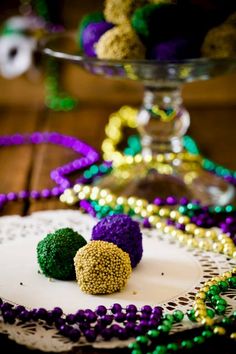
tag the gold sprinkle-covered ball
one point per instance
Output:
(160, 1)
(119, 43)
(120, 11)
(231, 20)
(220, 42)
(102, 268)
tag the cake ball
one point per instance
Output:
(231, 20)
(160, 1)
(119, 43)
(93, 17)
(155, 22)
(91, 36)
(102, 268)
(175, 49)
(220, 42)
(123, 232)
(119, 11)
(56, 251)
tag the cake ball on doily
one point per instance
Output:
(120, 11)
(91, 35)
(102, 268)
(119, 43)
(56, 251)
(123, 232)
(220, 42)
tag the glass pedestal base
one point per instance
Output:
(145, 182)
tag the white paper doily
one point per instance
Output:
(168, 275)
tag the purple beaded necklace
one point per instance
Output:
(89, 157)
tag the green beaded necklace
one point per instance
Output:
(134, 147)
(55, 98)
(149, 343)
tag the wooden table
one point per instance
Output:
(212, 106)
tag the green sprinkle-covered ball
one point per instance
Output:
(56, 251)
(102, 268)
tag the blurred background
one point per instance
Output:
(212, 104)
(220, 91)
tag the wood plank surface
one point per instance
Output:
(212, 106)
(16, 161)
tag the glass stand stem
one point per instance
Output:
(162, 120)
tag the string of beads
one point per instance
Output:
(59, 175)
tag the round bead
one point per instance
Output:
(186, 344)
(199, 339)
(164, 212)
(142, 340)
(173, 347)
(101, 310)
(133, 345)
(191, 315)
(146, 309)
(199, 232)
(233, 335)
(116, 308)
(153, 333)
(207, 333)
(164, 328)
(210, 313)
(178, 315)
(232, 282)
(219, 330)
(131, 308)
(207, 321)
(190, 228)
(183, 220)
(160, 349)
(223, 285)
(220, 309)
(57, 312)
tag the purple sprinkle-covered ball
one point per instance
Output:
(174, 49)
(91, 36)
(123, 232)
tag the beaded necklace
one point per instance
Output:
(56, 99)
(126, 117)
(192, 235)
(89, 157)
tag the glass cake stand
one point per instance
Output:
(162, 120)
